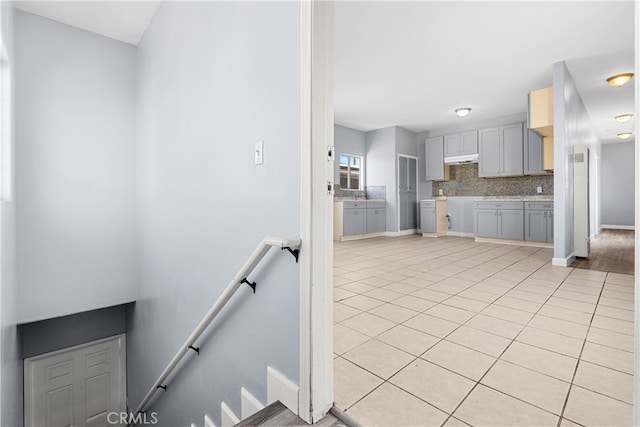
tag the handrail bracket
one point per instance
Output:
(252, 285)
(196, 349)
(294, 252)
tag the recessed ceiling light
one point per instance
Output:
(620, 79)
(623, 118)
(624, 135)
(463, 112)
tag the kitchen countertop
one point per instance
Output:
(532, 198)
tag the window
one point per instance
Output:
(350, 172)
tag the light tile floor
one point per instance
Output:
(449, 332)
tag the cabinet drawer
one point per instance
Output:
(540, 206)
(355, 204)
(498, 205)
(376, 204)
(427, 204)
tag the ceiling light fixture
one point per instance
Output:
(620, 79)
(624, 135)
(463, 112)
(623, 118)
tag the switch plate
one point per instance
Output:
(539, 190)
(259, 152)
(440, 192)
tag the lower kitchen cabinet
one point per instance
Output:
(359, 217)
(354, 222)
(502, 220)
(428, 217)
(538, 221)
(376, 217)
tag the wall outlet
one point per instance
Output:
(258, 158)
(440, 192)
(539, 190)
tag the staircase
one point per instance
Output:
(278, 415)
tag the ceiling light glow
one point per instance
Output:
(463, 112)
(620, 79)
(624, 135)
(623, 118)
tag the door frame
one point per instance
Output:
(316, 211)
(409, 231)
(28, 363)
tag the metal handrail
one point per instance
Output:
(291, 244)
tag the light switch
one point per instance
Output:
(258, 152)
(539, 190)
(440, 192)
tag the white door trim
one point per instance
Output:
(636, 377)
(29, 362)
(316, 213)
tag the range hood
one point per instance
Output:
(465, 158)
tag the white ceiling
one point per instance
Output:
(412, 63)
(121, 20)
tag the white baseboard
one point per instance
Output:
(249, 405)
(563, 262)
(281, 388)
(228, 418)
(618, 227)
(459, 234)
(208, 422)
(361, 236)
(400, 233)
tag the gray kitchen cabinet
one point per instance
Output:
(428, 217)
(354, 218)
(502, 220)
(408, 193)
(376, 216)
(538, 221)
(434, 159)
(458, 144)
(533, 153)
(500, 151)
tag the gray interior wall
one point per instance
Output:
(347, 141)
(572, 126)
(406, 142)
(10, 362)
(205, 92)
(618, 198)
(75, 181)
(49, 335)
(381, 168)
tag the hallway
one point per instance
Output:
(452, 332)
(612, 251)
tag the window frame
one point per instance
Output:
(350, 157)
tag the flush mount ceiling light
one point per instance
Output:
(623, 118)
(463, 112)
(620, 79)
(624, 135)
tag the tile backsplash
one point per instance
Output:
(373, 192)
(464, 181)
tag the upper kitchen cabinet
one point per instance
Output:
(541, 120)
(501, 151)
(533, 153)
(458, 144)
(434, 160)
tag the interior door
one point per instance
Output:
(77, 387)
(412, 184)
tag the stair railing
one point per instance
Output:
(290, 244)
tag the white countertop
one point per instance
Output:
(531, 198)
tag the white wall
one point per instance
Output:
(618, 191)
(572, 126)
(75, 181)
(212, 77)
(347, 141)
(10, 361)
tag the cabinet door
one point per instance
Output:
(434, 159)
(452, 145)
(469, 142)
(354, 221)
(403, 174)
(412, 174)
(486, 223)
(412, 210)
(403, 210)
(489, 152)
(376, 222)
(533, 153)
(535, 226)
(511, 224)
(550, 226)
(511, 149)
(428, 220)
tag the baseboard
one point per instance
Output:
(228, 418)
(361, 236)
(208, 422)
(399, 233)
(617, 227)
(281, 388)
(459, 234)
(249, 405)
(563, 262)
